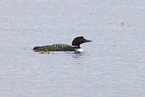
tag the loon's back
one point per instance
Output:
(54, 47)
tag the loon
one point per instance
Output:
(63, 47)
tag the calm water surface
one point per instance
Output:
(113, 65)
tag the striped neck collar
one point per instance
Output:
(74, 46)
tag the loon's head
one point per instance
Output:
(79, 40)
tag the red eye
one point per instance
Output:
(81, 39)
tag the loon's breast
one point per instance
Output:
(55, 47)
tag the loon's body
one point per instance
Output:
(63, 47)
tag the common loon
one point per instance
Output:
(63, 47)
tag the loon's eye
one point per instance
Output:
(81, 40)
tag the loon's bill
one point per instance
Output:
(63, 47)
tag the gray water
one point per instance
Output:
(113, 65)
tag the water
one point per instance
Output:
(113, 65)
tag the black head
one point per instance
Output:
(79, 40)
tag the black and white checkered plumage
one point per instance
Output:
(63, 47)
